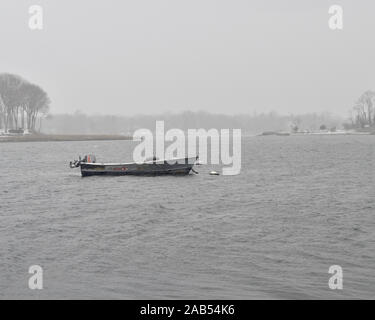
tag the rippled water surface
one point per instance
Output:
(300, 205)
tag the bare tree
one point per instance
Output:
(364, 110)
(36, 102)
(10, 98)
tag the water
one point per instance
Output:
(300, 205)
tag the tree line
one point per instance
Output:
(21, 103)
(80, 123)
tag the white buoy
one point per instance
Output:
(214, 173)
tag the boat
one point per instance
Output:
(153, 167)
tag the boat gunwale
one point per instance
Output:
(146, 162)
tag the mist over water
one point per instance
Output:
(300, 205)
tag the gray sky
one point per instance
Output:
(233, 56)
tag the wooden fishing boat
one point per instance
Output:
(153, 167)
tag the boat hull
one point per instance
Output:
(152, 168)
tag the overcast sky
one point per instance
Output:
(224, 56)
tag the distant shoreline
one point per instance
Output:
(62, 137)
(106, 137)
(338, 133)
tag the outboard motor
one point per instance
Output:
(75, 164)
